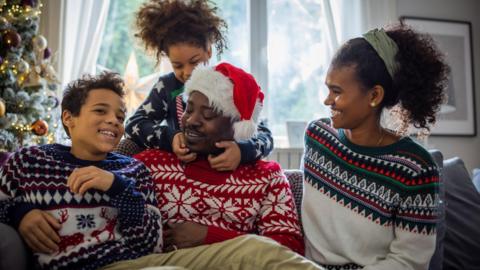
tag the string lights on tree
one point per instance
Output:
(28, 81)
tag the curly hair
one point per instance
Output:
(76, 92)
(419, 84)
(162, 23)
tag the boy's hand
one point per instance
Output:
(184, 235)
(38, 229)
(83, 179)
(180, 148)
(229, 159)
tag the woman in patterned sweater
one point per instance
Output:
(370, 193)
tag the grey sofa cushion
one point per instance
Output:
(462, 217)
(13, 254)
(436, 263)
(295, 179)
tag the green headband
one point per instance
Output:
(385, 47)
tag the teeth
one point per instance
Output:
(335, 113)
(108, 133)
(192, 134)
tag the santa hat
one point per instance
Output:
(232, 91)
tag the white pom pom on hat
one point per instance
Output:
(232, 91)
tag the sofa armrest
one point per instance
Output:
(13, 253)
(295, 179)
(128, 147)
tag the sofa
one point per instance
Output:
(458, 235)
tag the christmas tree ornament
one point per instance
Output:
(3, 108)
(39, 43)
(47, 53)
(33, 78)
(50, 74)
(40, 127)
(22, 67)
(32, 3)
(12, 39)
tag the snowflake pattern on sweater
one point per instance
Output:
(98, 228)
(390, 193)
(255, 198)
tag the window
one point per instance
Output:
(282, 42)
(297, 62)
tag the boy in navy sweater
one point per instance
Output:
(83, 207)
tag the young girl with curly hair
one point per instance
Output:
(370, 192)
(185, 32)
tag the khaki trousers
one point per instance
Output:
(244, 252)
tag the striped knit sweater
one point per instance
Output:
(98, 228)
(255, 198)
(370, 207)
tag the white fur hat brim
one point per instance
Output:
(219, 90)
(216, 87)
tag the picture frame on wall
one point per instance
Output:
(454, 39)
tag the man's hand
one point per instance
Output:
(229, 159)
(180, 148)
(184, 235)
(38, 229)
(83, 179)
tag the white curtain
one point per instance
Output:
(351, 18)
(83, 25)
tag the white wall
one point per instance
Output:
(467, 148)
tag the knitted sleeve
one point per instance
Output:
(145, 126)
(138, 212)
(217, 234)
(257, 147)
(13, 203)
(278, 218)
(415, 224)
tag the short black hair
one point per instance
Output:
(76, 92)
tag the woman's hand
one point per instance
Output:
(184, 235)
(229, 159)
(180, 148)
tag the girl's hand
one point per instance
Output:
(180, 148)
(229, 159)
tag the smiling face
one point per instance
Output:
(350, 104)
(185, 57)
(98, 128)
(203, 126)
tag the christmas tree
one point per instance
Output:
(28, 80)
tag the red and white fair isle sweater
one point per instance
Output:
(255, 198)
